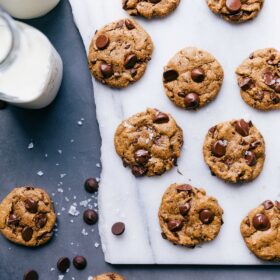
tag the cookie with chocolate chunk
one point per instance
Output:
(260, 231)
(27, 216)
(119, 53)
(236, 10)
(234, 151)
(108, 276)
(192, 78)
(149, 142)
(259, 79)
(188, 217)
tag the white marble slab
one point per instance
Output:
(136, 201)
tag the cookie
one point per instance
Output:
(236, 10)
(192, 78)
(27, 216)
(260, 231)
(188, 217)
(234, 151)
(150, 8)
(259, 79)
(108, 276)
(149, 142)
(119, 53)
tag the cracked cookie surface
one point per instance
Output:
(188, 217)
(259, 79)
(149, 142)
(27, 216)
(236, 10)
(234, 151)
(192, 78)
(119, 53)
(108, 276)
(150, 8)
(260, 231)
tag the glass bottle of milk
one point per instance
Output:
(30, 67)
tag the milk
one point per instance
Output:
(26, 9)
(33, 76)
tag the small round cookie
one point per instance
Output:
(150, 8)
(260, 231)
(27, 216)
(259, 79)
(192, 78)
(119, 53)
(149, 142)
(188, 217)
(234, 151)
(108, 276)
(236, 10)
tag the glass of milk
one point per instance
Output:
(27, 9)
(30, 67)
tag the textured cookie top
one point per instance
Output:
(236, 10)
(259, 79)
(234, 151)
(188, 216)
(108, 276)
(260, 230)
(149, 142)
(192, 78)
(119, 53)
(27, 216)
(150, 8)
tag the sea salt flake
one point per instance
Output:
(30, 146)
(84, 232)
(62, 175)
(60, 190)
(60, 277)
(40, 173)
(80, 123)
(98, 165)
(59, 151)
(96, 245)
(73, 210)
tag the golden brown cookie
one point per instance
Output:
(108, 276)
(149, 142)
(27, 216)
(150, 8)
(188, 217)
(260, 231)
(234, 151)
(192, 78)
(119, 53)
(259, 79)
(236, 10)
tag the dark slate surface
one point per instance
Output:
(51, 130)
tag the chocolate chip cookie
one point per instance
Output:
(236, 10)
(150, 8)
(27, 216)
(149, 142)
(260, 231)
(119, 53)
(259, 79)
(192, 78)
(188, 217)
(108, 276)
(234, 151)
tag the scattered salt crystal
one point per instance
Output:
(74, 197)
(84, 232)
(52, 269)
(96, 245)
(40, 173)
(82, 119)
(95, 204)
(85, 203)
(60, 277)
(53, 194)
(30, 146)
(80, 123)
(71, 221)
(60, 190)
(58, 214)
(72, 141)
(59, 151)
(62, 209)
(46, 155)
(98, 165)
(57, 164)
(67, 199)
(97, 179)
(73, 210)
(62, 175)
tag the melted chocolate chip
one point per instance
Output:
(27, 234)
(184, 188)
(102, 42)
(191, 101)
(161, 117)
(197, 75)
(268, 204)
(233, 6)
(170, 75)
(118, 228)
(106, 70)
(142, 156)
(250, 158)
(174, 225)
(13, 220)
(219, 148)
(269, 78)
(41, 220)
(206, 216)
(184, 209)
(242, 127)
(31, 205)
(261, 222)
(130, 61)
(245, 83)
(129, 24)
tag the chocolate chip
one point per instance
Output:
(184, 209)
(27, 233)
(102, 42)
(250, 158)
(242, 127)
(79, 262)
(174, 225)
(274, 97)
(269, 78)
(133, 72)
(142, 156)
(130, 61)
(138, 171)
(233, 6)
(90, 216)
(41, 220)
(184, 188)
(106, 70)
(161, 117)
(13, 220)
(163, 235)
(245, 83)
(277, 204)
(63, 264)
(277, 85)
(212, 129)
(118, 228)
(91, 185)
(154, 1)
(191, 101)
(206, 216)
(247, 222)
(129, 24)
(170, 75)
(255, 144)
(31, 205)
(268, 204)
(219, 148)
(3, 104)
(261, 222)
(31, 275)
(197, 75)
